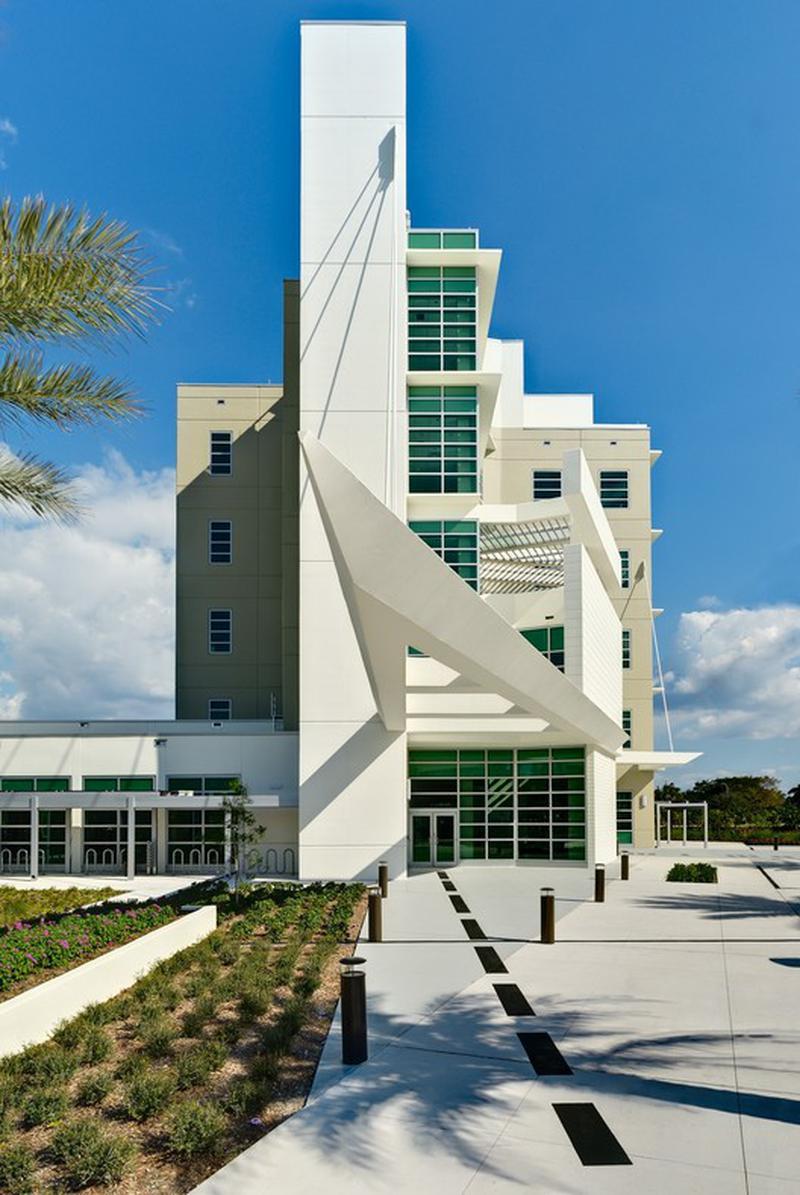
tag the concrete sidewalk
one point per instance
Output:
(674, 1007)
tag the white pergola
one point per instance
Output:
(684, 806)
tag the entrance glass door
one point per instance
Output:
(433, 839)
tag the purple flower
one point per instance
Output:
(17, 925)
(46, 933)
(30, 958)
(63, 942)
(256, 1121)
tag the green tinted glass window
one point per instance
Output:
(549, 641)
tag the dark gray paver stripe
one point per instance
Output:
(443, 875)
(592, 1139)
(767, 876)
(472, 929)
(512, 1000)
(459, 904)
(545, 1056)
(448, 886)
(491, 961)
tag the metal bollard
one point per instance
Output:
(600, 882)
(375, 915)
(625, 866)
(353, 988)
(548, 916)
(383, 878)
(775, 843)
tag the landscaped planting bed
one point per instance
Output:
(33, 951)
(157, 1088)
(693, 873)
(21, 905)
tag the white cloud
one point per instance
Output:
(180, 292)
(163, 241)
(709, 601)
(8, 132)
(87, 612)
(737, 673)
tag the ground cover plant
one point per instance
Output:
(155, 1089)
(695, 873)
(35, 949)
(19, 905)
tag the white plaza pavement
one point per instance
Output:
(675, 1006)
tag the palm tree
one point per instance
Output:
(69, 278)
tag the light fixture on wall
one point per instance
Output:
(159, 742)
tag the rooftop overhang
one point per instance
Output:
(487, 268)
(399, 593)
(654, 761)
(141, 800)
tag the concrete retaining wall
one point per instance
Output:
(32, 1016)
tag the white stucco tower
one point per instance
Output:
(352, 770)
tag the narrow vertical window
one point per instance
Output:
(614, 489)
(624, 568)
(442, 318)
(220, 541)
(626, 726)
(220, 709)
(221, 453)
(546, 483)
(220, 632)
(443, 439)
(626, 647)
(624, 818)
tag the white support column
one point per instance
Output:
(131, 843)
(33, 805)
(669, 826)
(705, 825)
(685, 826)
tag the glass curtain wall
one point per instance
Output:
(523, 804)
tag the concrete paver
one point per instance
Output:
(674, 1005)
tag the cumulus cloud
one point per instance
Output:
(737, 673)
(87, 612)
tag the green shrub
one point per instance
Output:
(158, 1037)
(228, 952)
(198, 1062)
(47, 1063)
(44, 1107)
(90, 1154)
(17, 1166)
(695, 873)
(193, 1022)
(130, 1067)
(148, 1094)
(245, 1097)
(96, 1045)
(196, 1128)
(94, 1089)
(254, 1000)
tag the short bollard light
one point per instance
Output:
(548, 916)
(353, 986)
(383, 878)
(600, 882)
(775, 843)
(625, 866)
(375, 905)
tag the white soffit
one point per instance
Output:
(654, 761)
(399, 592)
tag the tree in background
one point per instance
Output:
(74, 280)
(738, 806)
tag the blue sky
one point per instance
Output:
(638, 163)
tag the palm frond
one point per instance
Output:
(67, 395)
(38, 486)
(66, 274)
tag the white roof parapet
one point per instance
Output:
(655, 761)
(399, 592)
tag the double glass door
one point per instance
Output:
(433, 839)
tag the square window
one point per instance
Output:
(220, 709)
(614, 489)
(546, 483)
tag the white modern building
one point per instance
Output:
(414, 602)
